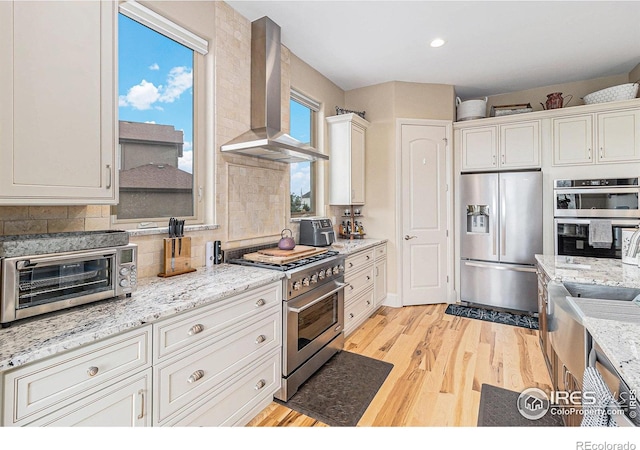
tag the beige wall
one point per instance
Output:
(383, 104)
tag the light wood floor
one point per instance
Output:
(440, 363)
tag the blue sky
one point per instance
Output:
(155, 79)
(300, 128)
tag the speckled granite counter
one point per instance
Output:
(346, 246)
(615, 325)
(154, 299)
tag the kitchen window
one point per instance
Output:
(303, 127)
(157, 85)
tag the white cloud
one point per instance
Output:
(186, 162)
(186, 145)
(179, 80)
(150, 121)
(141, 96)
(154, 66)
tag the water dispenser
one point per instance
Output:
(478, 219)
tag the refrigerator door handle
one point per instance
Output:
(503, 218)
(501, 266)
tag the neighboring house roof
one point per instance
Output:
(307, 195)
(155, 176)
(151, 133)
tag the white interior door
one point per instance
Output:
(425, 214)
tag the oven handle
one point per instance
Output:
(310, 304)
(54, 260)
(629, 190)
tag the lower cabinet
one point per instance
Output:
(366, 277)
(218, 365)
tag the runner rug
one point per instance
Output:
(489, 315)
(339, 393)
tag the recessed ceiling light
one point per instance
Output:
(437, 43)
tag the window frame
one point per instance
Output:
(314, 106)
(171, 30)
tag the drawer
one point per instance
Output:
(177, 384)
(358, 311)
(380, 251)
(358, 282)
(240, 399)
(175, 334)
(357, 261)
(42, 387)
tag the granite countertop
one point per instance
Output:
(613, 324)
(154, 299)
(347, 246)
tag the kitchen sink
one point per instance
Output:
(601, 292)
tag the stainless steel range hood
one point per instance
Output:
(266, 139)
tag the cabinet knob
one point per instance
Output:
(368, 277)
(92, 371)
(260, 384)
(351, 316)
(260, 339)
(368, 302)
(195, 376)
(197, 328)
(260, 302)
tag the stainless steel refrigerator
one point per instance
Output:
(501, 232)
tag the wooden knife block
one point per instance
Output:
(180, 262)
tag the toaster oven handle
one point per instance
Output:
(310, 304)
(57, 259)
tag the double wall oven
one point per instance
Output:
(313, 313)
(578, 202)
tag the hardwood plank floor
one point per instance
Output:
(440, 363)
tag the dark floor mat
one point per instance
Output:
(340, 392)
(489, 315)
(499, 408)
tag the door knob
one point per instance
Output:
(407, 237)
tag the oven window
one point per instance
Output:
(315, 320)
(50, 283)
(597, 201)
(573, 240)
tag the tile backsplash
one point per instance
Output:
(53, 219)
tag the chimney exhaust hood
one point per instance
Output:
(266, 139)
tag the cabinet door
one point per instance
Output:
(57, 121)
(357, 165)
(479, 148)
(619, 136)
(124, 404)
(380, 286)
(573, 140)
(520, 145)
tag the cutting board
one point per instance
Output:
(260, 257)
(297, 250)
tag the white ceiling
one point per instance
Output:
(492, 47)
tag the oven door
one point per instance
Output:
(572, 238)
(39, 284)
(311, 321)
(595, 202)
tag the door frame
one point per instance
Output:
(451, 293)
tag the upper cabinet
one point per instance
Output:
(604, 137)
(347, 159)
(502, 146)
(57, 91)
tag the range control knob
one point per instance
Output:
(314, 278)
(321, 274)
(305, 281)
(296, 286)
(335, 270)
(124, 271)
(124, 283)
(341, 268)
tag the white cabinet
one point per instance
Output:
(363, 273)
(380, 273)
(503, 146)
(57, 91)
(601, 137)
(39, 391)
(347, 159)
(227, 352)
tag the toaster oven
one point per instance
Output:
(38, 284)
(317, 232)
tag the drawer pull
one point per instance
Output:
(260, 339)
(351, 287)
(195, 376)
(141, 394)
(350, 264)
(93, 370)
(368, 302)
(368, 257)
(351, 316)
(260, 384)
(368, 277)
(197, 328)
(260, 302)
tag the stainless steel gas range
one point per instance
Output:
(313, 312)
